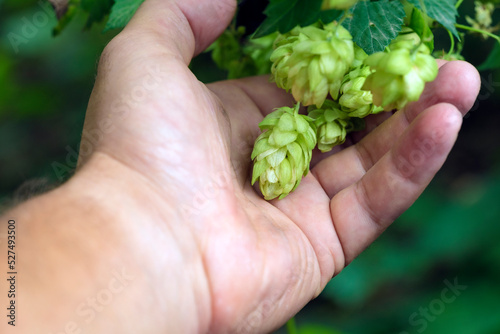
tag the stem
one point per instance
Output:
(452, 39)
(459, 2)
(344, 16)
(291, 326)
(296, 109)
(461, 26)
(415, 48)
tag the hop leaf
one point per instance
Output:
(283, 152)
(312, 61)
(332, 125)
(400, 73)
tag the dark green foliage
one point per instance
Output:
(97, 9)
(443, 11)
(493, 60)
(284, 15)
(122, 12)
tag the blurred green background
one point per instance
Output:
(449, 237)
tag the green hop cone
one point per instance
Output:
(484, 13)
(332, 125)
(283, 152)
(312, 61)
(484, 18)
(400, 73)
(260, 50)
(359, 57)
(337, 4)
(226, 50)
(449, 56)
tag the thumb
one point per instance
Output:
(186, 27)
(143, 78)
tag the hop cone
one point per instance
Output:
(355, 101)
(332, 125)
(359, 57)
(312, 61)
(282, 153)
(337, 4)
(483, 19)
(400, 73)
(260, 50)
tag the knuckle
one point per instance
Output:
(115, 50)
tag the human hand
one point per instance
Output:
(173, 154)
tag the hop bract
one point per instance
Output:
(332, 125)
(312, 61)
(337, 4)
(283, 152)
(355, 101)
(359, 57)
(400, 73)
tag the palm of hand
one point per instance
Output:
(190, 144)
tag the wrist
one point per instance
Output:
(98, 255)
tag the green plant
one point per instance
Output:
(283, 152)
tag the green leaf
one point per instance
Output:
(284, 15)
(419, 25)
(443, 11)
(122, 13)
(374, 25)
(327, 16)
(66, 19)
(97, 9)
(493, 60)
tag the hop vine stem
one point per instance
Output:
(464, 27)
(414, 50)
(452, 39)
(459, 2)
(344, 16)
(296, 109)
